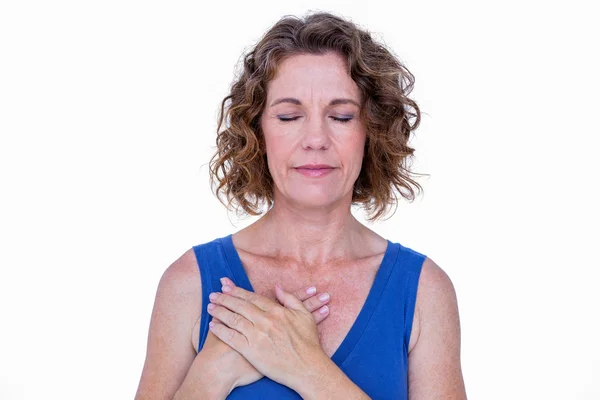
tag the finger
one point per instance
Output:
(231, 319)
(305, 293)
(316, 302)
(262, 302)
(233, 338)
(302, 294)
(237, 305)
(227, 281)
(287, 299)
(321, 314)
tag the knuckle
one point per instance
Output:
(234, 319)
(230, 336)
(310, 304)
(229, 302)
(317, 316)
(245, 309)
(240, 304)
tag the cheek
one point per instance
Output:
(355, 148)
(277, 153)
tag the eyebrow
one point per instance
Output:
(298, 102)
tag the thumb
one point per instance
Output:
(288, 299)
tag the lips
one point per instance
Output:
(314, 170)
(315, 166)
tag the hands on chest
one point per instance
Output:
(252, 336)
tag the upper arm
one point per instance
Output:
(434, 370)
(169, 352)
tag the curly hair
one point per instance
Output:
(238, 169)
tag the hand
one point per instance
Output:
(278, 340)
(240, 371)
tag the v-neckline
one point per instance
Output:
(240, 277)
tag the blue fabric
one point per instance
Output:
(374, 354)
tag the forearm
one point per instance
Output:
(327, 381)
(196, 392)
(202, 383)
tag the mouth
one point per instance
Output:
(314, 171)
(315, 166)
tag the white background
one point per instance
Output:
(107, 120)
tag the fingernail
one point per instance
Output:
(223, 282)
(213, 296)
(311, 290)
(324, 310)
(324, 297)
(226, 289)
(211, 306)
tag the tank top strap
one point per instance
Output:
(211, 258)
(408, 269)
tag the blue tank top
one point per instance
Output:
(374, 354)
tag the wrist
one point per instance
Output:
(325, 380)
(204, 382)
(204, 389)
(215, 384)
(315, 378)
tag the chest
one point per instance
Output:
(348, 287)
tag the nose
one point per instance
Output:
(316, 135)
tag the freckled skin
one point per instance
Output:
(347, 295)
(314, 131)
(309, 237)
(316, 134)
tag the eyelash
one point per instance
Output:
(342, 120)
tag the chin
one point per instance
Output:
(312, 198)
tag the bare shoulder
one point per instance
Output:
(169, 352)
(182, 277)
(434, 349)
(435, 291)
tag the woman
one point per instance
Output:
(319, 120)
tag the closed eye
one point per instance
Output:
(342, 120)
(287, 119)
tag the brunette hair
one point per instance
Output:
(238, 169)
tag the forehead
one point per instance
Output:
(304, 75)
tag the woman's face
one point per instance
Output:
(314, 137)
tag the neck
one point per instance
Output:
(310, 237)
